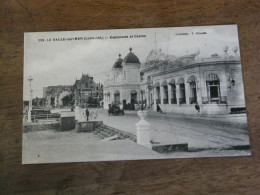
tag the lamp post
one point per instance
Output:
(30, 79)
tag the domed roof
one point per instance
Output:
(118, 63)
(131, 57)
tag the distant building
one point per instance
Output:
(38, 102)
(86, 89)
(122, 84)
(53, 94)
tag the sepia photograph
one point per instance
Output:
(133, 94)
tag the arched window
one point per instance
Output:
(148, 79)
(213, 87)
(165, 92)
(108, 97)
(157, 92)
(181, 83)
(193, 89)
(173, 91)
(117, 97)
(133, 97)
(141, 76)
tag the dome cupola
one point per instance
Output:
(131, 57)
(118, 63)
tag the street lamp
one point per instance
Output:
(30, 79)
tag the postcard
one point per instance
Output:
(133, 94)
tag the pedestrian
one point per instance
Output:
(26, 115)
(197, 107)
(159, 108)
(87, 113)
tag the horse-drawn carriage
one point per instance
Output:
(115, 109)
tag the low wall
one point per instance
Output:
(87, 126)
(40, 126)
(183, 109)
(67, 121)
(214, 109)
(206, 109)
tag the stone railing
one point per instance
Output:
(173, 101)
(220, 100)
(193, 100)
(165, 101)
(182, 100)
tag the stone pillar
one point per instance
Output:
(121, 96)
(169, 93)
(112, 96)
(76, 113)
(148, 101)
(178, 94)
(143, 130)
(161, 93)
(147, 96)
(199, 94)
(187, 92)
(154, 98)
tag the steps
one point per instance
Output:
(104, 131)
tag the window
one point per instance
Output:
(133, 97)
(213, 87)
(141, 76)
(173, 93)
(165, 92)
(193, 89)
(158, 94)
(182, 94)
(117, 97)
(182, 99)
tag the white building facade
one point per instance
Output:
(176, 84)
(123, 83)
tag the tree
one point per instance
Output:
(68, 100)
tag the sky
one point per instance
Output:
(60, 62)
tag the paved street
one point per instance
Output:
(206, 137)
(200, 132)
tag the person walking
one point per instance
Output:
(158, 108)
(87, 113)
(197, 107)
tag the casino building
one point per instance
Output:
(178, 83)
